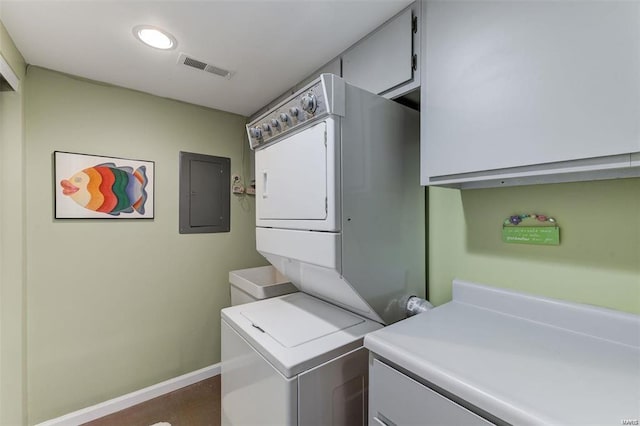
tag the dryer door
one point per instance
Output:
(292, 180)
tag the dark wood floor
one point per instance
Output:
(195, 405)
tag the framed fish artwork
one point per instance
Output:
(97, 187)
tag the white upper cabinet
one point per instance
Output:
(384, 62)
(529, 88)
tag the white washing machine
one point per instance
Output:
(294, 359)
(341, 213)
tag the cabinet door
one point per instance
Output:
(395, 399)
(383, 60)
(510, 84)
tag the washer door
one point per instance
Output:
(291, 177)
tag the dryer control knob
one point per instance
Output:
(284, 118)
(266, 127)
(309, 103)
(275, 124)
(294, 111)
(256, 132)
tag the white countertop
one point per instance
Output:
(523, 359)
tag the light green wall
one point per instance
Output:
(597, 261)
(117, 305)
(12, 258)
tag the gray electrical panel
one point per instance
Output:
(204, 193)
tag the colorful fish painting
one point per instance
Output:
(108, 189)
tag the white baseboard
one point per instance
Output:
(125, 401)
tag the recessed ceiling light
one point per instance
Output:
(155, 37)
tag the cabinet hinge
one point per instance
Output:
(414, 62)
(414, 24)
(326, 205)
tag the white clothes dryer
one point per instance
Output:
(341, 213)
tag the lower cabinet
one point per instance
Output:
(396, 399)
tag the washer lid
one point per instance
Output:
(298, 320)
(297, 331)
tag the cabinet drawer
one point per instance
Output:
(395, 399)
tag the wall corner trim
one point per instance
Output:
(125, 401)
(7, 73)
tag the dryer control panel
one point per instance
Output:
(289, 116)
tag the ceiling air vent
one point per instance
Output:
(187, 60)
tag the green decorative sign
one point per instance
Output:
(540, 235)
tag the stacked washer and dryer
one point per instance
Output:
(341, 213)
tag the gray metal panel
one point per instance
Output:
(383, 220)
(204, 200)
(204, 193)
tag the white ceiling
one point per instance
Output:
(269, 44)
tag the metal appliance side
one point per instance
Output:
(383, 216)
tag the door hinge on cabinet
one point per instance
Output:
(414, 62)
(414, 24)
(326, 205)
